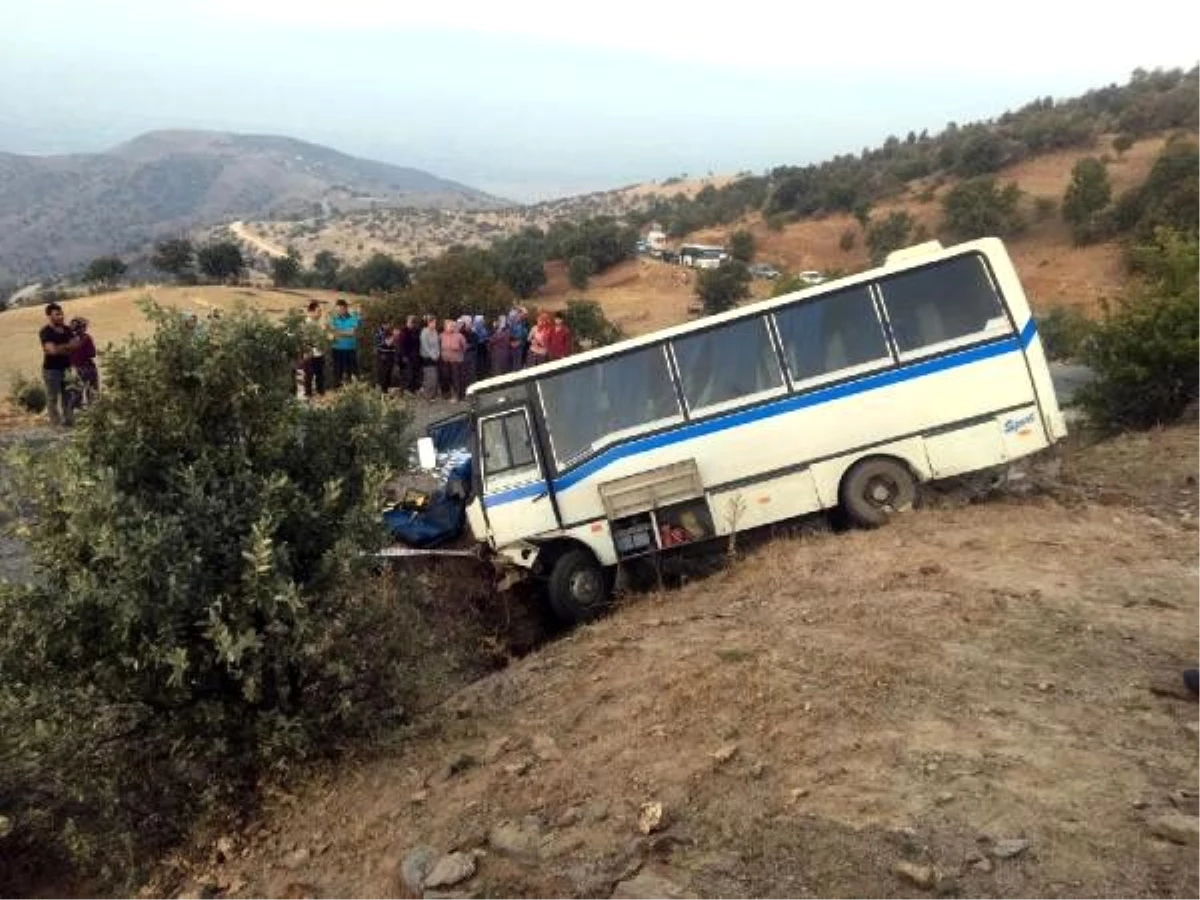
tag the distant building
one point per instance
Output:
(656, 238)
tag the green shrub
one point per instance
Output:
(721, 289)
(742, 245)
(1085, 200)
(27, 394)
(198, 616)
(777, 221)
(579, 271)
(588, 325)
(1044, 208)
(1063, 330)
(1145, 351)
(978, 208)
(888, 234)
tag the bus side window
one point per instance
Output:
(507, 445)
(952, 300)
(833, 332)
(727, 363)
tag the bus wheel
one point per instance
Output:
(579, 587)
(874, 489)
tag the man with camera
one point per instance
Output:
(58, 343)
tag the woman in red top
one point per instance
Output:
(454, 349)
(539, 341)
(560, 338)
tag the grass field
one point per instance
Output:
(115, 317)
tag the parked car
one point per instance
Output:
(763, 270)
(811, 277)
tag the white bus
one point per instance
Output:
(702, 256)
(848, 393)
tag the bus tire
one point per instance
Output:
(579, 588)
(877, 488)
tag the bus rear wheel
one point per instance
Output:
(875, 489)
(579, 588)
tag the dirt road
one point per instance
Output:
(958, 704)
(242, 233)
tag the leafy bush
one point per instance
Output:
(888, 234)
(1145, 351)
(196, 617)
(1169, 196)
(741, 245)
(978, 208)
(721, 289)
(27, 394)
(1086, 198)
(588, 324)
(1044, 208)
(1121, 143)
(579, 271)
(1063, 331)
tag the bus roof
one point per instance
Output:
(911, 258)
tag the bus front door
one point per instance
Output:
(516, 492)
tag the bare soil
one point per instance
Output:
(969, 692)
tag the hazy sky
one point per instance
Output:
(535, 99)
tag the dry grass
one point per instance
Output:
(114, 317)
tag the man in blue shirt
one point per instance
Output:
(344, 325)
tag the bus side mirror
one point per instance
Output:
(426, 454)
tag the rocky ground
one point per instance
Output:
(982, 699)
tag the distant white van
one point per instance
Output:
(810, 277)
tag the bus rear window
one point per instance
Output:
(597, 404)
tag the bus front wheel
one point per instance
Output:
(875, 489)
(579, 588)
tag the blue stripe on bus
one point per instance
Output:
(1028, 333)
(770, 410)
(517, 493)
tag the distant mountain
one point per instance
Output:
(59, 212)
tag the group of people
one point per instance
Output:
(428, 358)
(67, 348)
(339, 337)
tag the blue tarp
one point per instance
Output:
(442, 518)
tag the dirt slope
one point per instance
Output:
(965, 691)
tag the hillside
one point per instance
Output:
(642, 295)
(960, 704)
(419, 234)
(58, 212)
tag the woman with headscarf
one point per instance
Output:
(482, 365)
(500, 348)
(454, 349)
(539, 341)
(83, 360)
(466, 328)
